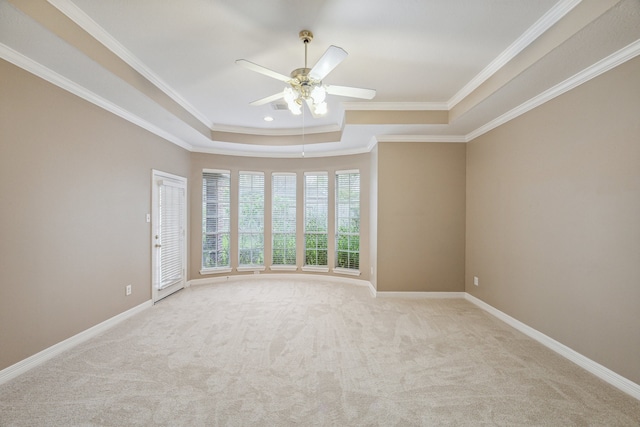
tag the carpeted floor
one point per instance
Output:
(278, 353)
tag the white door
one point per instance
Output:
(168, 239)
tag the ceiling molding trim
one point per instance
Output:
(553, 15)
(337, 153)
(372, 144)
(283, 155)
(85, 22)
(37, 69)
(236, 153)
(621, 56)
(422, 138)
(276, 132)
(395, 106)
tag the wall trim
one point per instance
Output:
(37, 69)
(621, 56)
(420, 295)
(284, 276)
(584, 362)
(394, 106)
(85, 22)
(555, 14)
(421, 138)
(49, 353)
(623, 384)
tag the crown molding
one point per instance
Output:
(422, 138)
(62, 82)
(372, 144)
(73, 12)
(276, 132)
(285, 155)
(557, 12)
(621, 56)
(395, 106)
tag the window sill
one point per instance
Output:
(221, 270)
(283, 268)
(250, 268)
(315, 269)
(346, 271)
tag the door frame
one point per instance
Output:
(156, 178)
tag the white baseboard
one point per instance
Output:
(589, 365)
(283, 276)
(420, 295)
(50, 352)
(584, 362)
(280, 276)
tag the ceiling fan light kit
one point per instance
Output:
(305, 84)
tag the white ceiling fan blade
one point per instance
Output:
(329, 60)
(352, 92)
(262, 70)
(268, 99)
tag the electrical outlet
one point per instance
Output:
(127, 290)
(476, 281)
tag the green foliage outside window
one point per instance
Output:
(316, 252)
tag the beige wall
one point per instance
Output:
(421, 217)
(553, 219)
(236, 164)
(74, 192)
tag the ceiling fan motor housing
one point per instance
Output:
(300, 79)
(306, 36)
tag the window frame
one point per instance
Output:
(350, 204)
(219, 268)
(275, 217)
(253, 232)
(322, 268)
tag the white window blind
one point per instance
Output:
(283, 216)
(316, 207)
(172, 220)
(251, 219)
(216, 219)
(348, 220)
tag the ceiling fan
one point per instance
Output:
(305, 84)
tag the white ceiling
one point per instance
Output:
(420, 55)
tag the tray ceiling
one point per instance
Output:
(444, 71)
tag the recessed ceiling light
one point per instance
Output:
(268, 118)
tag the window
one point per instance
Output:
(316, 207)
(348, 220)
(216, 219)
(283, 219)
(251, 219)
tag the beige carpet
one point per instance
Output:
(274, 353)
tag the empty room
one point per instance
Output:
(319, 212)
